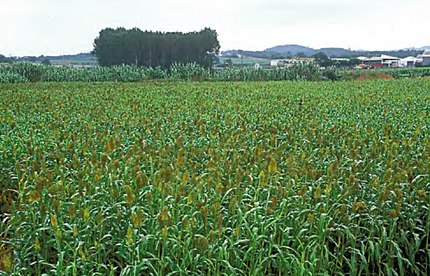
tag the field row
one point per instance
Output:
(26, 72)
(215, 178)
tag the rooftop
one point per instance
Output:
(388, 57)
(409, 59)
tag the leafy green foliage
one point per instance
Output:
(332, 73)
(11, 77)
(397, 73)
(26, 71)
(262, 178)
(178, 71)
(188, 71)
(409, 72)
(150, 49)
(4, 59)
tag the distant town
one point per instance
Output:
(362, 62)
(288, 55)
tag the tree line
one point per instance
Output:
(4, 59)
(151, 49)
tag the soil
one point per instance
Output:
(379, 76)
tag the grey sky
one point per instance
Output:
(49, 27)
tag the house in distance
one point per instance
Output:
(425, 58)
(382, 61)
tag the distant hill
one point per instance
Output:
(81, 56)
(291, 50)
(285, 51)
(424, 48)
(340, 52)
(238, 53)
(77, 59)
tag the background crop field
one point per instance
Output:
(215, 178)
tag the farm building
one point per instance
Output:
(426, 58)
(278, 62)
(289, 62)
(382, 61)
(408, 61)
(341, 59)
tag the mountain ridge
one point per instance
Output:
(291, 50)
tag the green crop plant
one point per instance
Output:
(215, 178)
(27, 72)
(188, 71)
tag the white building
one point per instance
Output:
(382, 61)
(341, 59)
(290, 62)
(389, 61)
(408, 61)
(426, 58)
(280, 62)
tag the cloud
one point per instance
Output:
(34, 27)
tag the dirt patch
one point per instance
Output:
(7, 198)
(5, 257)
(375, 76)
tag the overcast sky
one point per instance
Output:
(52, 27)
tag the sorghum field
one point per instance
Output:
(186, 178)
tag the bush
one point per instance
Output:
(332, 73)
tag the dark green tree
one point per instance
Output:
(228, 63)
(4, 59)
(147, 48)
(300, 55)
(322, 59)
(46, 62)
